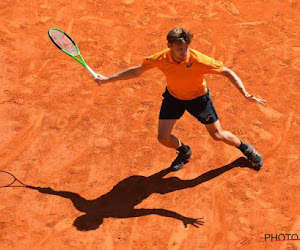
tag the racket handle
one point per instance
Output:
(91, 71)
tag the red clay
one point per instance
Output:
(61, 131)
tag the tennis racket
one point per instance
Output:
(9, 180)
(67, 45)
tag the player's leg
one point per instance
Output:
(171, 110)
(218, 134)
(203, 109)
(165, 136)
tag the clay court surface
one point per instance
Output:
(100, 178)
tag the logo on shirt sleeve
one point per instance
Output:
(189, 65)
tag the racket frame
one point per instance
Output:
(80, 59)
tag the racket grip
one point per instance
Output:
(91, 71)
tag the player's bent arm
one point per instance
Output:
(236, 81)
(124, 75)
(239, 84)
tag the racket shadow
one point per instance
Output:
(121, 200)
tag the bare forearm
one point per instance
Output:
(236, 81)
(124, 75)
(240, 86)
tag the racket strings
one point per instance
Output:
(62, 41)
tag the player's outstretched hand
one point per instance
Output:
(194, 222)
(100, 78)
(252, 98)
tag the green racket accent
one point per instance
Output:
(81, 61)
(68, 46)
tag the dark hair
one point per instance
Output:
(179, 35)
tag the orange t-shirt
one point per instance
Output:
(185, 80)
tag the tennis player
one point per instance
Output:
(186, 89)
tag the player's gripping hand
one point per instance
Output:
(101, 79)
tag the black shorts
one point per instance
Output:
(201, 108)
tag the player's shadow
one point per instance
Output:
(121, 200)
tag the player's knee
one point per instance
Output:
(217, 136)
